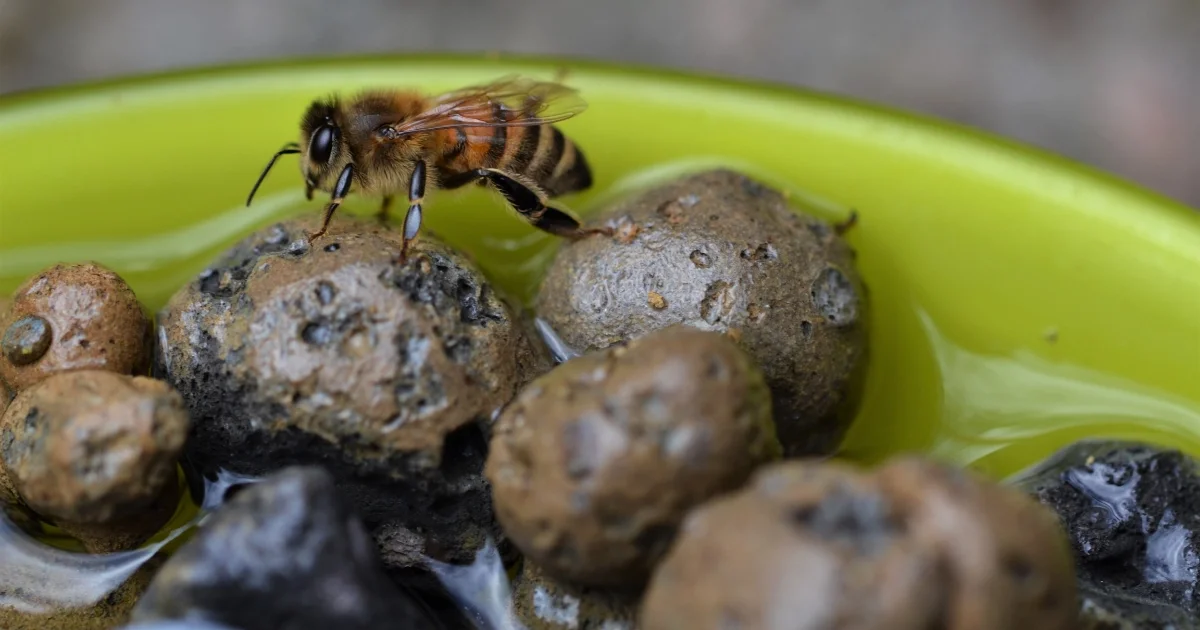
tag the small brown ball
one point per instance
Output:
(909, 546)
(5, 396)
(595, 463)
(6, 393)
(722, 252)
(543, 603)
(93, 447)
(1008, 557)
(73, 317)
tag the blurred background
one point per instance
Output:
(1115, 83)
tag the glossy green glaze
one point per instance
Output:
(1018, 300)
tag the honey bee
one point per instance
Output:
(383, 143)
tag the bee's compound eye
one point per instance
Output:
(322, 144)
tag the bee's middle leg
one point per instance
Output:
(412, 219)
(384, 209)
(533, 208)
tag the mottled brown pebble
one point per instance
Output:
(723, 252)
(93, 321)
(93, 447)
(595, 463)
(543, 603)
(387, 374)
(909, 546)
(6, 393)
(1009, 560)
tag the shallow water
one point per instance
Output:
(37, 577)
(481, 589)
(937, 384)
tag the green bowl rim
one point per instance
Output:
(945, 132)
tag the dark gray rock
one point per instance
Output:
(283, 554)
(1132, 513)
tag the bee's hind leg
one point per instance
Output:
(844, 226)
(533, 208)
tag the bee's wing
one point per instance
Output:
(525, 102)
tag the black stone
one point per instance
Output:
(285, 553)
(1132, 513)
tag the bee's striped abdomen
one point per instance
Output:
(540, 153)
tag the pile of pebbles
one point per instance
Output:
(674, 474)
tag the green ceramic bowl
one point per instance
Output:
(1020, 301)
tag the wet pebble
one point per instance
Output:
(722, 252)
(73, 317)
(286, 552)
(95, 454)
(1132, 512)
(543, 603)
(386, 374)
(26, 340)
(910, 545)
(595, 463)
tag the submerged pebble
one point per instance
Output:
(722, 252)
(73, 317)
(594, 464)
(95, 454)
(386, 374)
(1132, 512)
(910, 545)
(286, 552)
(544, 603)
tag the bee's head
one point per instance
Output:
(324, 154)
(323, 147)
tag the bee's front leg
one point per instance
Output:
(412, 219)
(340, 190)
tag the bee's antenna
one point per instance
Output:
(287, 149)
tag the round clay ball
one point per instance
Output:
(388, 373)
(594, 464)
(722, 252)
(5, 396)
(1009, 560)
(73, 317)
(6, 393)
(908, 546)
(815, 545)
(92, 447)
(543, 603)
